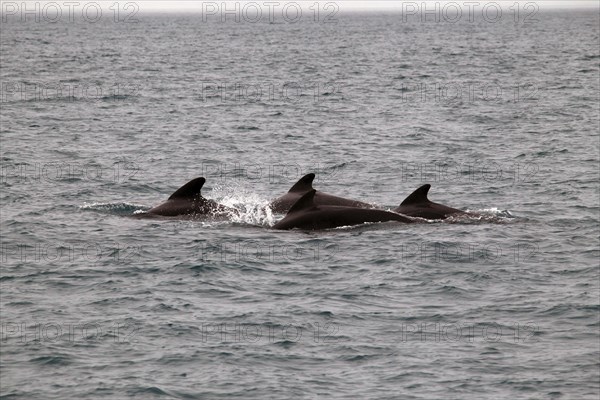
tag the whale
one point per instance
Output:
(418, 205)
(305, 214)
(188, 201)
(304, 185)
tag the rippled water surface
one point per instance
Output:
(102, 119)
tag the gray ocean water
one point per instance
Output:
(103, 116)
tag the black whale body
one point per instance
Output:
(187, 201)
(307, 215)
(418, 205)
(304, 185)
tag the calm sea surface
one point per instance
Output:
(101, 118)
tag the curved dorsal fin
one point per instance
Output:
(418, 196)
(304, 184)
(304, 202)
(189, 190)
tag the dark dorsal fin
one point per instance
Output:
(304, 184)
(189, 190)
(304, 202)
(418, 196)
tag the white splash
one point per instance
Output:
(251, 208)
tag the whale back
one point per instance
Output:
(419, 196)
(190, 190)
(304, 184)
(305, 202)
(418, 205)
